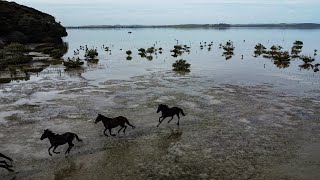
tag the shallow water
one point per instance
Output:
(244, 118)
(204, 63)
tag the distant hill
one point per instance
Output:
(23, 24)
(213, 26)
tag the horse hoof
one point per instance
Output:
(113, 135)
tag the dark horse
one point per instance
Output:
(57, 140)
(110, 123)
(169, 112)
(4, 164)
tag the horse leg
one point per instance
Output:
(170, 119)
(104, 132)
(55, 149)
(160, 118)
(161, 121)
(69, 148)
(178, 119)
(6, 167)
(49, 150)
(111, 132)
(124, 130)
(120, 128)
(5, 162)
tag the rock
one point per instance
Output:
(27, 25)
(17, 36)
(1, 44)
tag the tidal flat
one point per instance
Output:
(245, 118)
(229, 131)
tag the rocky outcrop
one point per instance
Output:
(23, 24)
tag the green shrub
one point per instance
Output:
(73, 63)
(142, 54)
(129, 52)
(15, 59)
(47, 50)
(142, 50)
(150, 50)
(15, 48)
(296, 48)
(307, 59)
(181, 65)
(13, 54)
(91, 53)
(56, 53)
(54, 50)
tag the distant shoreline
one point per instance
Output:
(209, 26)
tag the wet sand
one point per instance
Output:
(229, 131)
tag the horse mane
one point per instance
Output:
(164, 105)
(48, 130)
(104, 117)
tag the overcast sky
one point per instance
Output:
(146, 12)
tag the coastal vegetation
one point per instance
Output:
(91, 53)
(54, 50)
(14, 54)
(228, 49)
(73, 62)
(282, 58)
(27, 25)
(181, 66)
(179, 50)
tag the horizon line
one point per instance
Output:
(218, 25)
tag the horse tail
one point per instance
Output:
(130, 124)
(77, 137)
(181, 111)
(6, 157)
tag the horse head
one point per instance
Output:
(45, 134)
(161, 107)
(99, 118)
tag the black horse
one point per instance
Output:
(110, 123)
(4, 164)
(57, 140)
(169, 112)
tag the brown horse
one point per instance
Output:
(110, 123)
(57, 140)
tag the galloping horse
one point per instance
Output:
(169, 112)
(110, 123)
(57, 140)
